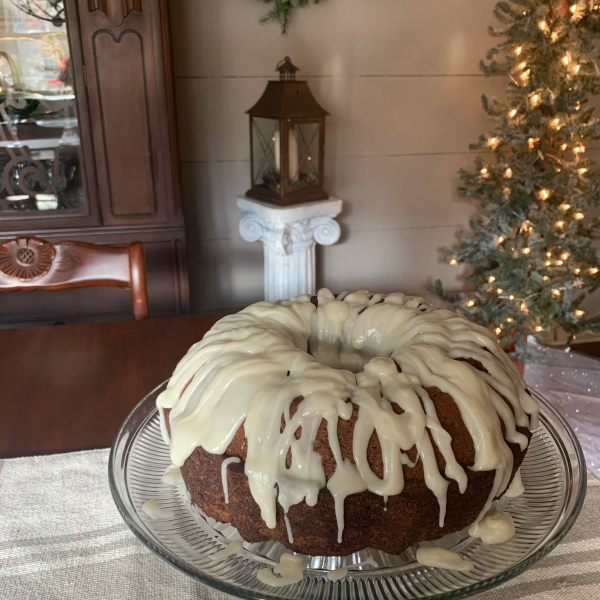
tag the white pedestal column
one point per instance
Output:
(289, 235)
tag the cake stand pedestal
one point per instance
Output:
(289, 235)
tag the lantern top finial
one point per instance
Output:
(287, 70)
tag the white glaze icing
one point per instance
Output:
(154, 511)
(290, 567)
(224, 465)
(432, 556)
(172, 476)
(251, 366)
(515, 489)
(233, 548)
(288, 527)
(494, 527)
(337, 574)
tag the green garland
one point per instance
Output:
(282, 11)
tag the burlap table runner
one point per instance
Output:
(61, 537)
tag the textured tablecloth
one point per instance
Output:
(61, 537)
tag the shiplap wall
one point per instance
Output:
(400, 80)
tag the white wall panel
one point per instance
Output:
(401, 82)
(216, 38)
(369, 116)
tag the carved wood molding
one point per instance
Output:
(26, 258)
(115, 10)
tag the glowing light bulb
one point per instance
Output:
(525, 75)
(509, 320)
(560, 224)
(491, 279)
(556, 293)
(500, 239)
(535, 99)
(508, 172)
(565, 60)
(564, 255)
(578, 216)
(594, 270)
(522, 65)
(576, 271)
(512, 113)
(506, 191)
(499, 290)
(526, 250)
(511, 297)
(543, 25)
(498, 331)
(471, 302)
(573, 8)
(518, 50)
(564, 206)
(484, 171)
(548, 254)
(579, 312)
(559, 262)
(453, 261)
(531, 142)
(563, 147)
(545, 277)
(538, 328)
(544, 194)
(579, 148)
(582, 171)
(554, 36)
(493, 142)
(555, 123)
(576, 68)
(548, 263)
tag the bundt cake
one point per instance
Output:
(332, 424)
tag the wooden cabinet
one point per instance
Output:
(125, 155)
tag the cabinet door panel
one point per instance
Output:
(126, 54)
(123, 97)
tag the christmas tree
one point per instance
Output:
(530, 251)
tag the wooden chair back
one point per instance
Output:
(30, 263)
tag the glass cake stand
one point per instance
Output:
(553, 474)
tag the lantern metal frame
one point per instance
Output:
(288, 103)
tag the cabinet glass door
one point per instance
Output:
(41, 169)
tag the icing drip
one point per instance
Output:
(224, 465)
(233, 548)
(432, 556)
(288, 528)
(495, 527)
(380, 352)
(337, 574)
(154, 511)
(172, 476)
(515, 489)
(290, 567)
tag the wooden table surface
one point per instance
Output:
(70, 387)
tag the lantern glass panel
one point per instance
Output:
(266, 152)
(303, 149)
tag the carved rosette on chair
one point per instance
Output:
(26, 258)
(290, 235)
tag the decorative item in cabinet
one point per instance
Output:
(88, 147)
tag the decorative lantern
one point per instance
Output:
(287, 138)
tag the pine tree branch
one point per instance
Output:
(282, 10)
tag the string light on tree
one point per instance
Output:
(539, 182)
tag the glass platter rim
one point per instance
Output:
(567, 516)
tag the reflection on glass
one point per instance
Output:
(303, 142)
(266, 153)
(40, 161)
